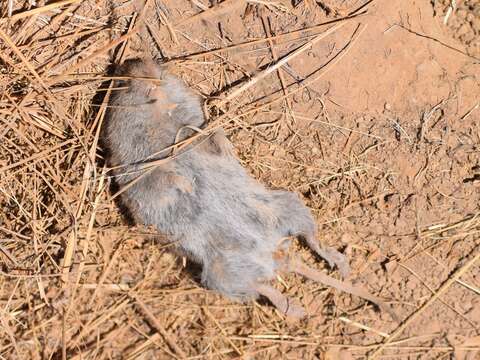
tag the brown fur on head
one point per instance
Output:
(140, 68)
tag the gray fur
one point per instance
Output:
(203, 199)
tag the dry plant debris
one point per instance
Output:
(377, 127)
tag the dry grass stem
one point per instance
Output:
(373, 126)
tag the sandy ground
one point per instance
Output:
(376, 126)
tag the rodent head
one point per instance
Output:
(151, 107)
(139, 75)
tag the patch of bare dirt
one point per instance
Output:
(377, 126)
(463, 21)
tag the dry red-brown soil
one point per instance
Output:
(376, 125)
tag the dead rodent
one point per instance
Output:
(201, 197)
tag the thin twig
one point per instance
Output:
(39, 10)
(159, 327)
(262, 74)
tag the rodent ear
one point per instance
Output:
(217, 144)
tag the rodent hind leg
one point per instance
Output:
(296, 220)
(331, 255)
(280, 301)
(294, 217)
(297, 266)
